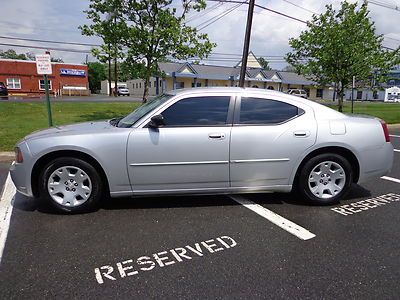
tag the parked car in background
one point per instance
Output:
(3, 89)
(123, 91)
(298, 92)
(205, 141)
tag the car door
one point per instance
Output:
(268, 137)
(189, 153)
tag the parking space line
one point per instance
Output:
(5, 211)
(391, 179)
(395, 150)
(278, 220)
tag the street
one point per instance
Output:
(215, 247)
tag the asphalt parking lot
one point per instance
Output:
(210, 247)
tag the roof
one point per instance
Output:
(293, 78)
(216, 72)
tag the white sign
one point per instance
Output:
(161, 259)
(43, 64)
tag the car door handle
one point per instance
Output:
(301, 133)
(217, 136)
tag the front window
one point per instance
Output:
(198, 111)
(13, 83)
(41, 84)
(143, 110)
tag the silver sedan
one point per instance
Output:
(205, 141)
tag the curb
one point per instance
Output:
(7, 156)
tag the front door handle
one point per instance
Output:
(301, 133)
(216, 136)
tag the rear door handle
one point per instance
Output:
(217, 136)
(301, 133)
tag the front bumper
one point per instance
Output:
(20, 177)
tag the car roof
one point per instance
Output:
(205, 90)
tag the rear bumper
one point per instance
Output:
(376, 162)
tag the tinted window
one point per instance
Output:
(198, 111)
(262, 111)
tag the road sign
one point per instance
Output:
(43, 64)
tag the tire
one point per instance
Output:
(62, 189)
(325, 179)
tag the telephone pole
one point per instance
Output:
(246, 42)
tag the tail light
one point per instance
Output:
(385, 131)
(18, 156)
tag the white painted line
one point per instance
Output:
(393, 135)
(395, 150)
(5, 211)
(391, 179)
(278, 220)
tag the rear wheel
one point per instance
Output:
(71, 185)
(325, 178)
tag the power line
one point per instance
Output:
(204, 12)
(303, 8)
(46, 48)
(266, 8)
(48, 41)
(385, 5)
(216, 18)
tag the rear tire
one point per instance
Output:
(71, 185)
(325, 178)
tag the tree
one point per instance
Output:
(11, 54)
(264, 63)
(96, 74)
(289, 68)
(109, 24)
(338, 45)
(156, 32)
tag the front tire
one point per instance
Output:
(325, 178)
(71, 185)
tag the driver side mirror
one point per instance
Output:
(156, 121)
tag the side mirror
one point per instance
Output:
(156, 121)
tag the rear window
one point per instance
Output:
(258, 111)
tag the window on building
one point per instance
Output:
(320, 93)
(140, 85)
(13, 83)
(270, 87)
(375, 95)
(198, 111)
(160, 83)
(155, 83)
(180, 85)
(41, 84)
(359, 95)
(198, 84)
(263, 111)
(136, 85)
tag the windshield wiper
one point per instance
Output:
(115, 121)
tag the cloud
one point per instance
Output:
(59, 20)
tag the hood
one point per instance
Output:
(79, 128)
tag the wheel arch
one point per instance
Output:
(346, 153)
(42, 161)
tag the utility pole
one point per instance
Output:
(246, 42)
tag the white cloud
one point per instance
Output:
(58, 20)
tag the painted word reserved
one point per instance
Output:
(363, 205)
(162, 259)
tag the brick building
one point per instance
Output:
(21, 78)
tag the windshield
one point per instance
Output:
(143, 110)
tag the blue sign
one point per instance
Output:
(73, 72)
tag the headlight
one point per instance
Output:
(18, 155)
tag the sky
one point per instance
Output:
(59, 20)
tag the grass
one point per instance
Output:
(20, 119)
(389, 112)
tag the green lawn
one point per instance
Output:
(20, 119)
(390, 112)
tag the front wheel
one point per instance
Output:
(325, 178)
(71, 185)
